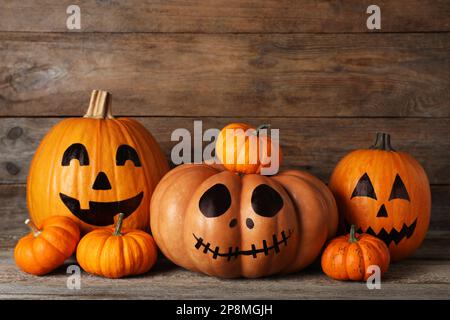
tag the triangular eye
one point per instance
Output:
(399, 190)
(364, 188)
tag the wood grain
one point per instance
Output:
(294, 75)
(225, 16)
(312, 144)
(410, 279)
(425, 275)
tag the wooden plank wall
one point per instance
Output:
(309, 67)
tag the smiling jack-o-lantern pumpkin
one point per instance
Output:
(214, 221)
(385, 193)
(95, 167)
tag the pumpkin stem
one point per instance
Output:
(352, 237)
(32, 226)
(100, 105)
(382, 142)
(118, 227)
(261, 127)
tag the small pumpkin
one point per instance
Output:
(385, 193)
(116, 253)
(46, 248)
(94, 167)
(210, 220)
(240, 148)
(348, 257)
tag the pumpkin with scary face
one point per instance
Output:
(95, 167)
(385, 193)
(214, 221)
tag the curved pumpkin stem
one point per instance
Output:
(261, 127)
(32, 226)
(352, 238)
(118, 227)
(100, 105)
(382, 142)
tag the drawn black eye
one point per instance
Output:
(124, 153)
(266, 201)
(215, 201)
(398, 190)
(75, 151)
(364, 188)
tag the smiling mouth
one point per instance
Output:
(102, 213)
(394, 235)
(234, 252)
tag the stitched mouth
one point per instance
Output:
(102, 213)
(235, 252)
(393, 235)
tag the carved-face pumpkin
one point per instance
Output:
(223, 224)
(95, 167)
(386, 194)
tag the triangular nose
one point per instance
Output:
(382, 212)
(101, 182)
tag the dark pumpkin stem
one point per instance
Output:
(32, 226)
(100, 105)
(261, 127)
(382, 142)
(352, 237)
(118, 227)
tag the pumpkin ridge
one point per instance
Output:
(61, 232)
(39, 257)
(95, 263)
(138, 255)
(372, 247)
(51, 176)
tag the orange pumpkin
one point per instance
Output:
(92, 168)
(385, 193)
(211, 220)
(115, 253)
(239, 148)
(46, 248)
(348, 257)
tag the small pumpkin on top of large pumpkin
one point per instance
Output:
(235, 223)
(244, 149)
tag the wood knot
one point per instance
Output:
(14, 133)
(12, 168)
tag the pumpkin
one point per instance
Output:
(348, 257)
(46, 248)
(92, 168)
(115, 253)
(242, 150)
(210, 220)
(385, 193)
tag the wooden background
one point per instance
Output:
(311, 68)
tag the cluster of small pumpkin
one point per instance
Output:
(293, 206)
(107, 252)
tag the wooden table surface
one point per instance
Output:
(425, 275)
